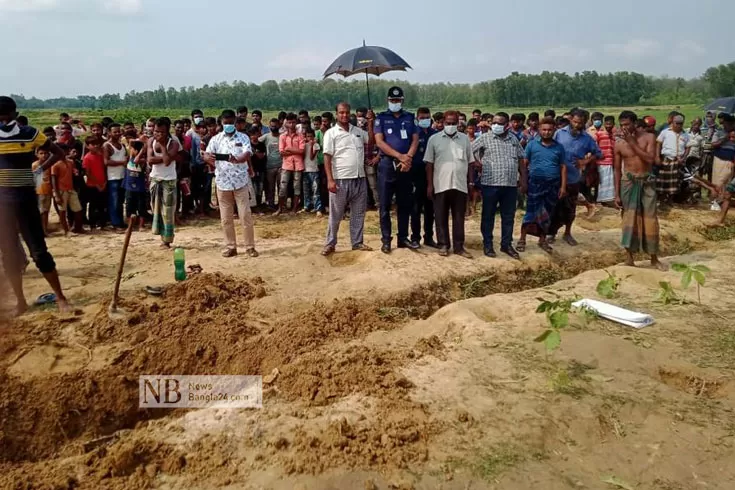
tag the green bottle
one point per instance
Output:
(179, 264)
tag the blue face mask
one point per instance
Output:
(424, 123)
(228, 128)
(597, 124)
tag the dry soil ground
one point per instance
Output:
(401, 371)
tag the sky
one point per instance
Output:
(55, 48)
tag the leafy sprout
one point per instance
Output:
(692, 272)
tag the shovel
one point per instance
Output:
(114, 312)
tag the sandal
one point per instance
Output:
(545, 247)
(521, 245)
(570, 240)
(252, 252)
(327, 251)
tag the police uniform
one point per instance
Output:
(421, 203)
(398, 131)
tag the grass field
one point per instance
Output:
(49, 117)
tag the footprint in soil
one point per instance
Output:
(691, 383)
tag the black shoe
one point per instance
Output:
(490, 252)
(511, 252)
(385, 248)
(408, 244)
(429, 242)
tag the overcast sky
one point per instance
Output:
(70, 47)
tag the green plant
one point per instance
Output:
(666, 294)
(689, 272)
(608, 287)
(557, 316)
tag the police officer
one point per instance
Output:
(396, 135)
(422, 205)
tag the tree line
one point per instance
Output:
(553, 89)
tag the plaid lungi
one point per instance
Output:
(640, 223)
(163, 207)
(543, 195)
(606, 191)
(668, 180)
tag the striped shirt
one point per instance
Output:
(18, 147)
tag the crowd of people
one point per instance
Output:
(429, 166)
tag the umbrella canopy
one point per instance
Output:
(726, 104)
(372, 60)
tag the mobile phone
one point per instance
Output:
(222, 156)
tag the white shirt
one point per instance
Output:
(673, 145)
(230, 176)
(161, 171)
(695, 144)
(451, 156)
(347, 149)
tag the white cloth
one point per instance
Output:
(347, 148)
(617, 314)
(119, 156)
(311, 165)
(606, 191)
(451, 157)
(161, 171)
(230, 176)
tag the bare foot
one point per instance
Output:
(658, 265)
(716, 225)
(63, 305)
(20, 309)
(591, 211)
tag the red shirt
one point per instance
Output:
(606, 142)
(94, 167)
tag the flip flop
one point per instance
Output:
(46, 299)
(521, 245)
(154, 290)
(545, 247)
(570, 240)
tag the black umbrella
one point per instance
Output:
(372, 60)
(725, 104)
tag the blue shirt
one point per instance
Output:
(390, 127)
(518, 134)
(575, 148)
(418, 158)
(544, 162)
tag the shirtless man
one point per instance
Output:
(635, 189)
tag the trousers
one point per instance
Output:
(352, 193)
(400, 185)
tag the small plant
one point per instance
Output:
(557, 316)
(608, 287)
(666, 294)
(689, 272)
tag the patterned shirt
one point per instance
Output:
(695, 144)
(18, 147)
(500, 159)
(230, 176)
(606, 142)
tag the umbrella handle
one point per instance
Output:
(367, 82)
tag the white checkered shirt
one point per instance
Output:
(500, 159)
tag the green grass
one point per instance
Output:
(490, 463)
(719, 234)
(48, 117)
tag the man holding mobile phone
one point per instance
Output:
(229, 154)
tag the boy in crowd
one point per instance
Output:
(62, 182)
(259, 161)
(134, 184)
(43, 189)
(274, 162)
(291, 147)
(93, 164)
(312, 200)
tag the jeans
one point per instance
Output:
(97, 207)
(115, 201)
(257, 181)
(311, 191)
(494, 196)
(271, 182)
(392, 183)
(135, 204)
(422, 205)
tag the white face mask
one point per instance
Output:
(198, 120)
(497, 129)
(450, 130)
(394, 107)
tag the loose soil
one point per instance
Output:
(401, 371)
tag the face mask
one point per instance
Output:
(597, 124)
(498, 129)
(228, 128)
(198, 121)
(394, 107)
(450, 130)
(360, 121)
(424, 123)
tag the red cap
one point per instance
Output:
(649, 120)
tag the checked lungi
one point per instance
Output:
(543, 195)
(163, 207)
(640, 222)
(668, 180)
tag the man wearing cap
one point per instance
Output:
(672, 146)
(396, 135)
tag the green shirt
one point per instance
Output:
(320, 140)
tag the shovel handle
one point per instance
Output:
(128, 233)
